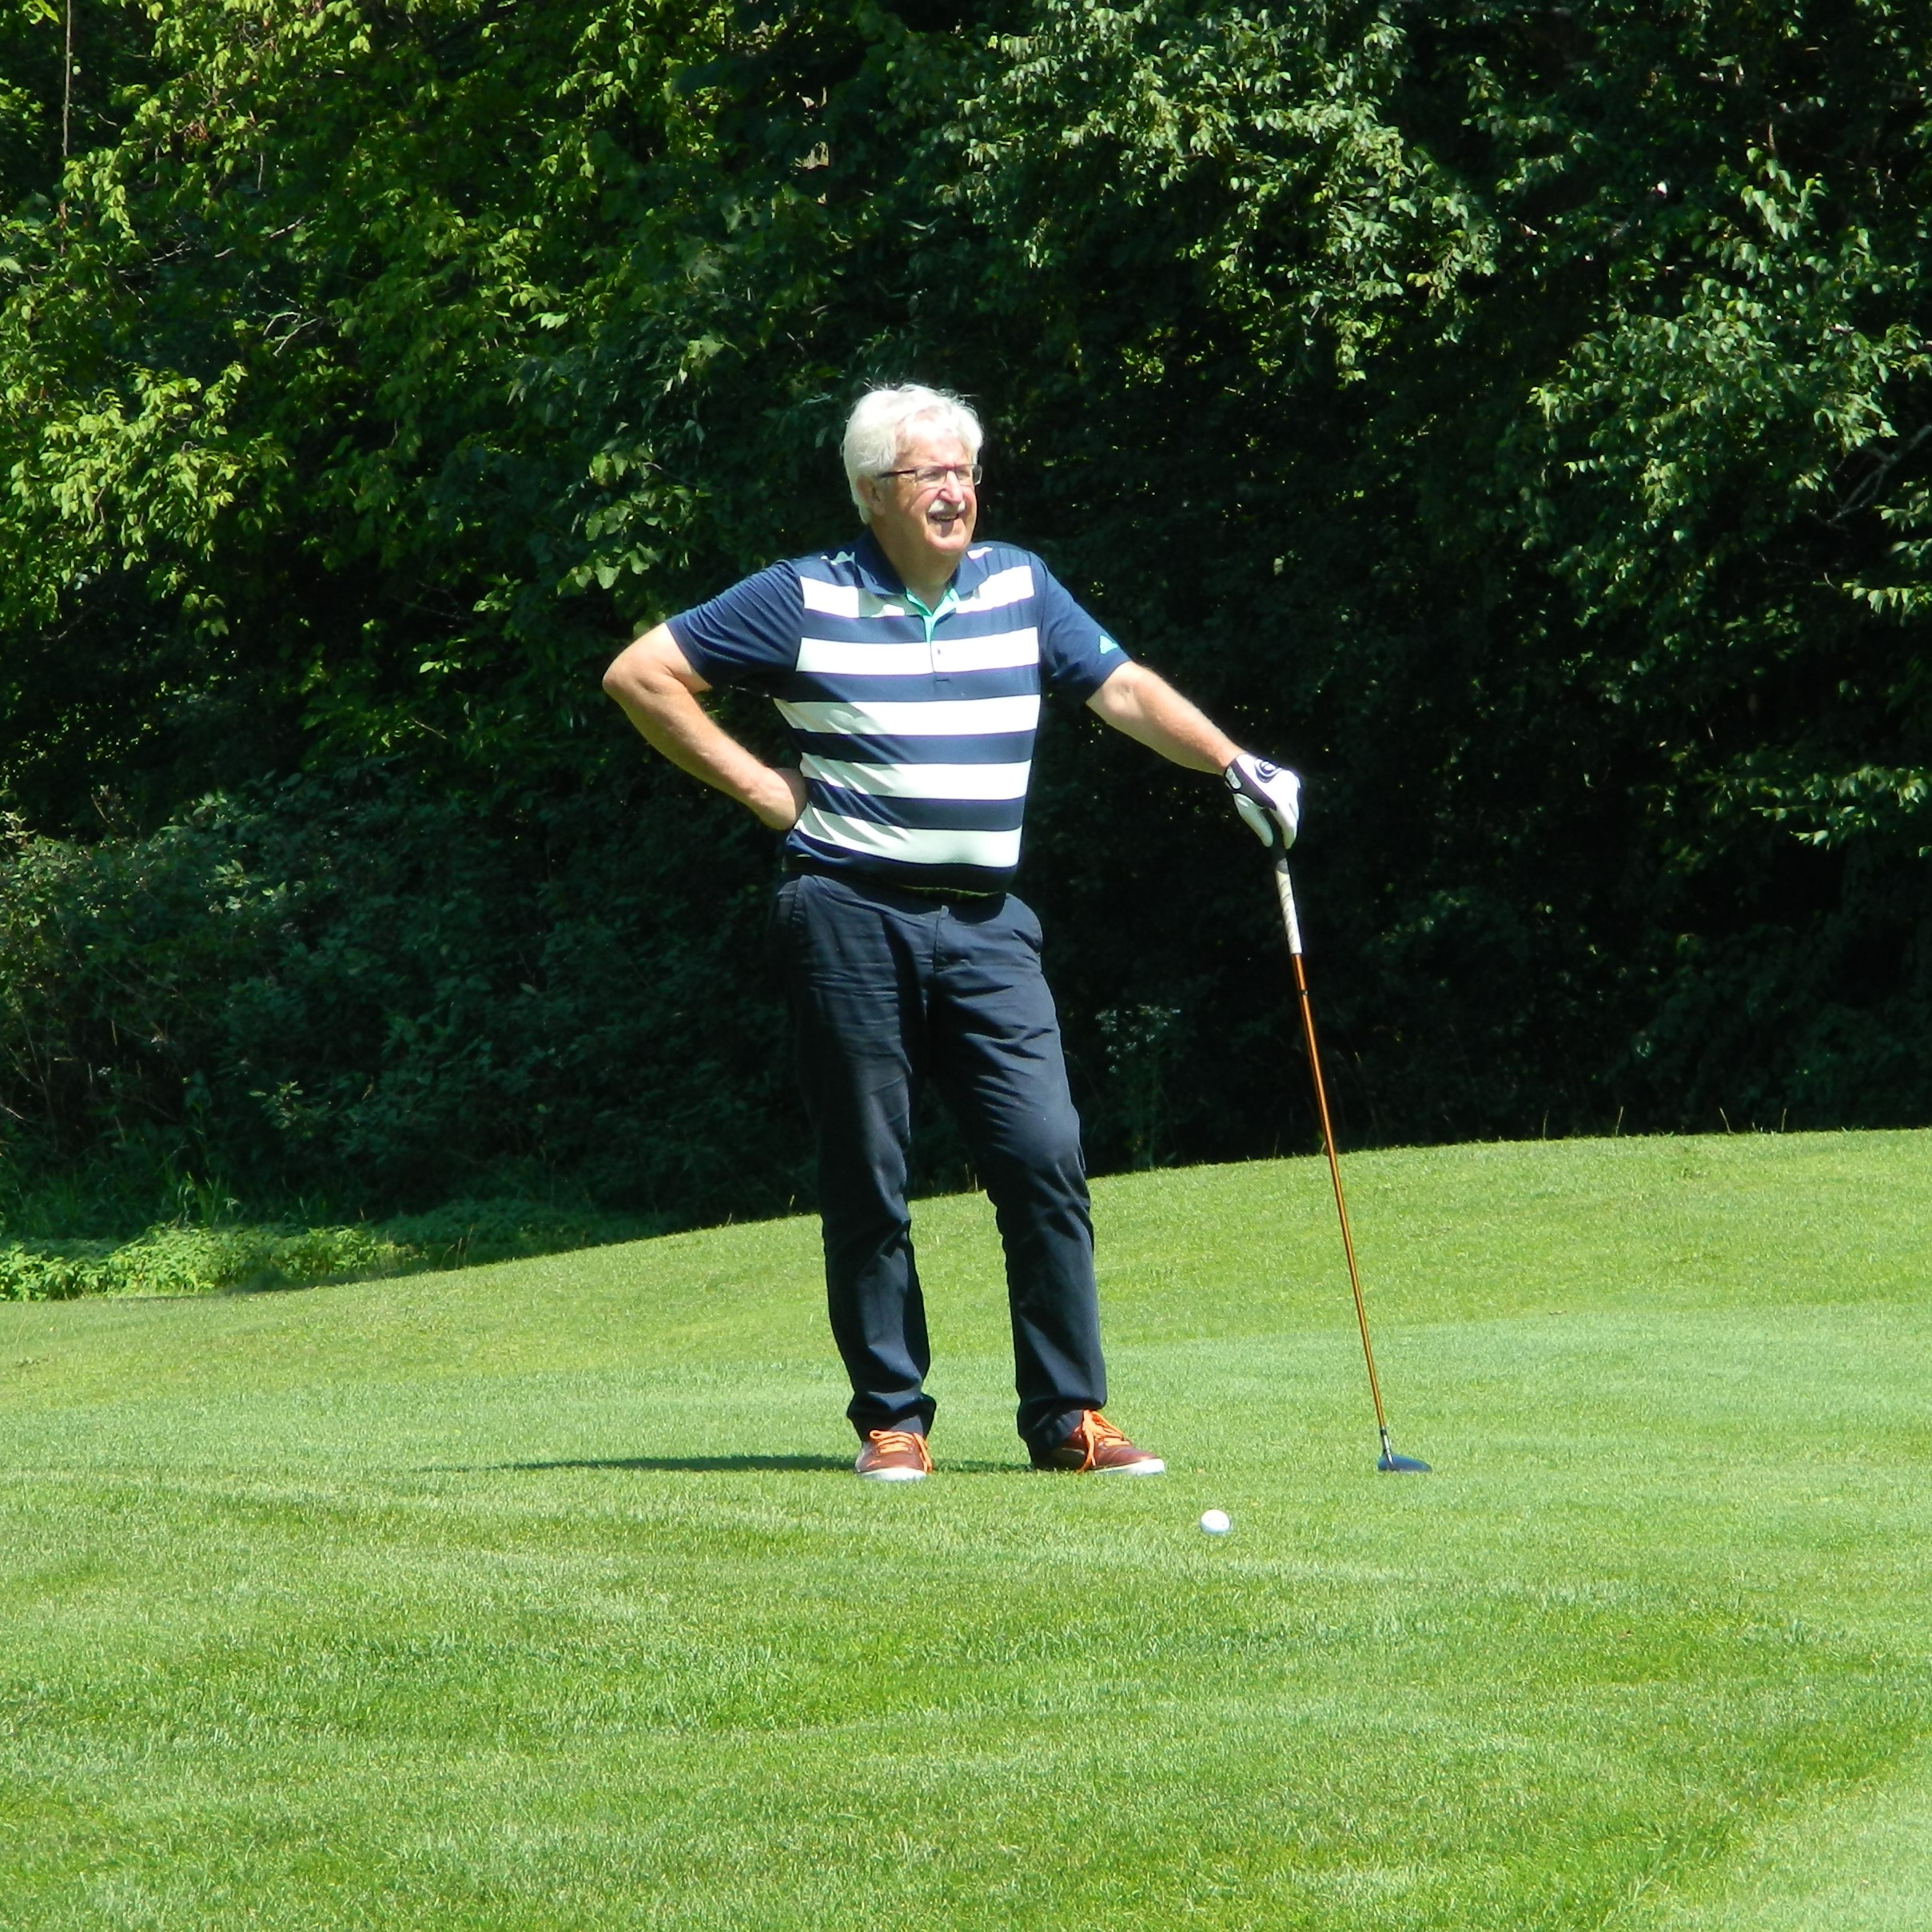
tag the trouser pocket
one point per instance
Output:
(781, 922)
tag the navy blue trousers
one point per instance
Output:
(889, 989)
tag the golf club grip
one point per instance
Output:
(1284, 891)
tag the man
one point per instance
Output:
(908, 670)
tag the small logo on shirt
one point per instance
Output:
(1107, 644)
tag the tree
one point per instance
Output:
(1514, 414)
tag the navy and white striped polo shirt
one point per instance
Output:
(915, 729)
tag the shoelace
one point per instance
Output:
(1093, 1433)
(896, 1442)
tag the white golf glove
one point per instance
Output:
(1269, 797)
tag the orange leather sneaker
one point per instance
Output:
(894, 1455)
(1097, 1446)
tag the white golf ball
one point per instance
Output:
(1215, 1522)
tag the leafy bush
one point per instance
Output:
(369, 991)
(176, 1260)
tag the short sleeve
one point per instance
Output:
(749, 635)
(1076, 656)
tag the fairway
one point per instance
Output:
(542, 1595)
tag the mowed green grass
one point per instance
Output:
(542, 1595)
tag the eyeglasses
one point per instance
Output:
(935, 474)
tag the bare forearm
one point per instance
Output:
(660, 704)
(676, 726)
(1147, 708)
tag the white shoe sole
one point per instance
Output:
(891, 1475)
(1151, 1465)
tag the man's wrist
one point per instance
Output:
(780, 798)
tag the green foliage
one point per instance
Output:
(178, 1258)
(171, 1261)
(1516, 417)
(366, 992)
(1548, 539)
(377, 334)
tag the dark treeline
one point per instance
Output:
(1515, 415)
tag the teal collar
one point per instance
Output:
(875, 570)
(946, 604)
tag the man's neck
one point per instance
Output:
(928, 589)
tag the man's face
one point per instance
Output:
(924, 528)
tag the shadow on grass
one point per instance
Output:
(691, 1465)
(704, 1465)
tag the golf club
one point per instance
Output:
(1391, 1462)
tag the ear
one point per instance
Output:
(871, 494)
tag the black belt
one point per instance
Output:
(796, 864)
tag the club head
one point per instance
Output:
(1393, 1464)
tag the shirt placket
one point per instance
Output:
(935, 650)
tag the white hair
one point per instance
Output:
(881, 425)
